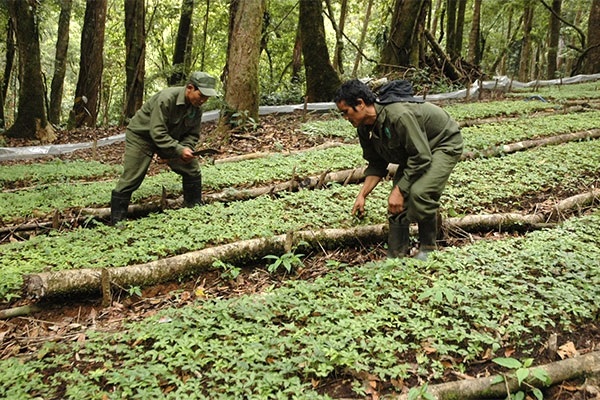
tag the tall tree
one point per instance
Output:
(454, 27)
(60, 62)
(474, 55)
(525, 60)
(243, 56)
(183, 44)
(8, 66)
(31, 121)
(592, 59)
(135, 56)
(402, 47)
(363, 35)
(86, 103)
(338, 59)
(321, 79)
(553, 38)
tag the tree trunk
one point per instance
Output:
(135, 55)
(31, 121)
(243, 56)
(338, 59)
(321, 79)
(525, 58)
(91, 64)
(204, 35)
(553, 39)
(592, 59)
(407, 27)
(474, 56)
(460, 23)
(297, 57)
(182, 44)
(451, 13)
(10, 59)
(60, 62)
(363, 35)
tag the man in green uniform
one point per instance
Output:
(421, 138)
(168, 124)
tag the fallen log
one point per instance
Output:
(527, 144)
(495, 386)
(574, 202)
(48, 284)
(89, 280)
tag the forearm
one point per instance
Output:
(370, 183)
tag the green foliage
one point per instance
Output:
(358, 319)
(229, 271)
(56, 171)
(289, 261)
(497, 181)
(521, 371)
(483, 137)
(506, 108)
(586, 90)
(329, 129)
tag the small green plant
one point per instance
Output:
(420, 393)
(243, 121)
(134, 291)
(288, 260)
(229, 271)
(521, 371)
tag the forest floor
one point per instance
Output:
(68, 319)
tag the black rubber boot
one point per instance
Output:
(119, 202)
(398, 237)
(192, 191)
(427, 237)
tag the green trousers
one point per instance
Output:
(424, 198)
(137, 159)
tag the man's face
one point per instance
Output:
(355, 115)
(195, 96)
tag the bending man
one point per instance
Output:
(168, 124)
(421, 138)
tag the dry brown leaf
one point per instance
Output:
(567, 350)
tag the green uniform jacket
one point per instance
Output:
(167, 123)
(406, 134)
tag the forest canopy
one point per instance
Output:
(98, 60)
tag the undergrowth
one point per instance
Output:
(397, 319)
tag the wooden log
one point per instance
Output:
(487, 388)
(527, 144)
(89, 280)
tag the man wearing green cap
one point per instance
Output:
(168, 124)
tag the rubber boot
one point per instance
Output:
(427, 237)
(119, 202)
(398, 237)
(192, 191)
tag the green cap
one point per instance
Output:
(204, 82)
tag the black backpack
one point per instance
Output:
(395, 91)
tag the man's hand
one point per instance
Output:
(395, 201)
(187, 155)
(359, 206)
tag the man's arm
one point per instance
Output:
(359, 204)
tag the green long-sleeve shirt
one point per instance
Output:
(406, 134)
(168, 123)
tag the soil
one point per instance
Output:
(68, 319)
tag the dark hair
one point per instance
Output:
(352, 90)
